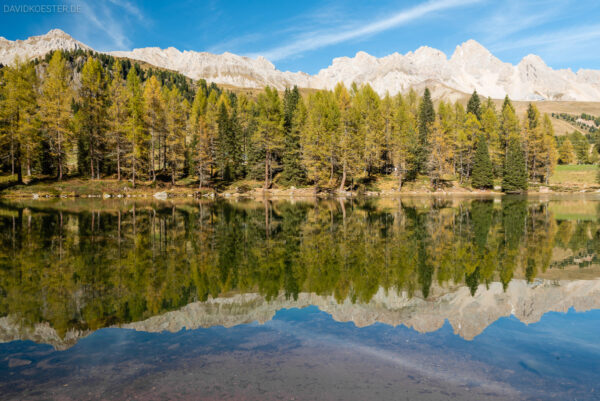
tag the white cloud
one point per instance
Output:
(318, 39)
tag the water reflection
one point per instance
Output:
(71, 267)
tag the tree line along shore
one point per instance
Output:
(86, 116)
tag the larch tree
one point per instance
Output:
(370, 125)
(211, 116)
(55, 110)
(319, 139)
(491, 128)
(548, 155)
(268, 136)
(465, 145)
(200, 145)
(135, 120)
(403, 138)
(457, 134)
(175, 124)
(154, 107)
(387, 117)
(117, 115)
(566, 152)
(18, 110)
(349, 141)
(222, 155)
(92, 114)
(246, 115)
(438, 165)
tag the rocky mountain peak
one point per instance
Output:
(470, 67)
(37, 46)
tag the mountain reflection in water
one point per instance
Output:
(441, 266)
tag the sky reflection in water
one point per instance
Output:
(333, 284)
(304, 353)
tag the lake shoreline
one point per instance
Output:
(381, 187)
(163, 193)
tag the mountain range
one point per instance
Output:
(471, 67)
(468, 315)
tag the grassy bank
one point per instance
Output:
(576, 176)
(566, 178)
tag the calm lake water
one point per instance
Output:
(419, 298)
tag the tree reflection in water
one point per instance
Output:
(86, 265)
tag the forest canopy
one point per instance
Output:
(92, 115)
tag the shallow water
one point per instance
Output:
(418, 298)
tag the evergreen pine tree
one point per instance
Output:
(482, 176)
(426, 120)
(515, 172)
(293, 173)
(474, 105)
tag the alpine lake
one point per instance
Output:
(416, 298)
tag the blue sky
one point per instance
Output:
(307, 35)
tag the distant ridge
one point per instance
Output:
(470, 67)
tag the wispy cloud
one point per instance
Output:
(112, 19)
(319, 39)
(130, 8)
(512, 17)
(557, 39)
(559, 47)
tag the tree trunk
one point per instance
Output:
(18, 165)
(152, 155)
(267, 170)
(92, 159)
(399, 172)
(133, 166)
(118, 161)
(343, 183)
(200, 177)
(12, 155)
(60, 172)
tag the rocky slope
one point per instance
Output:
(468, 315)
(37, 46)
(470, 67)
